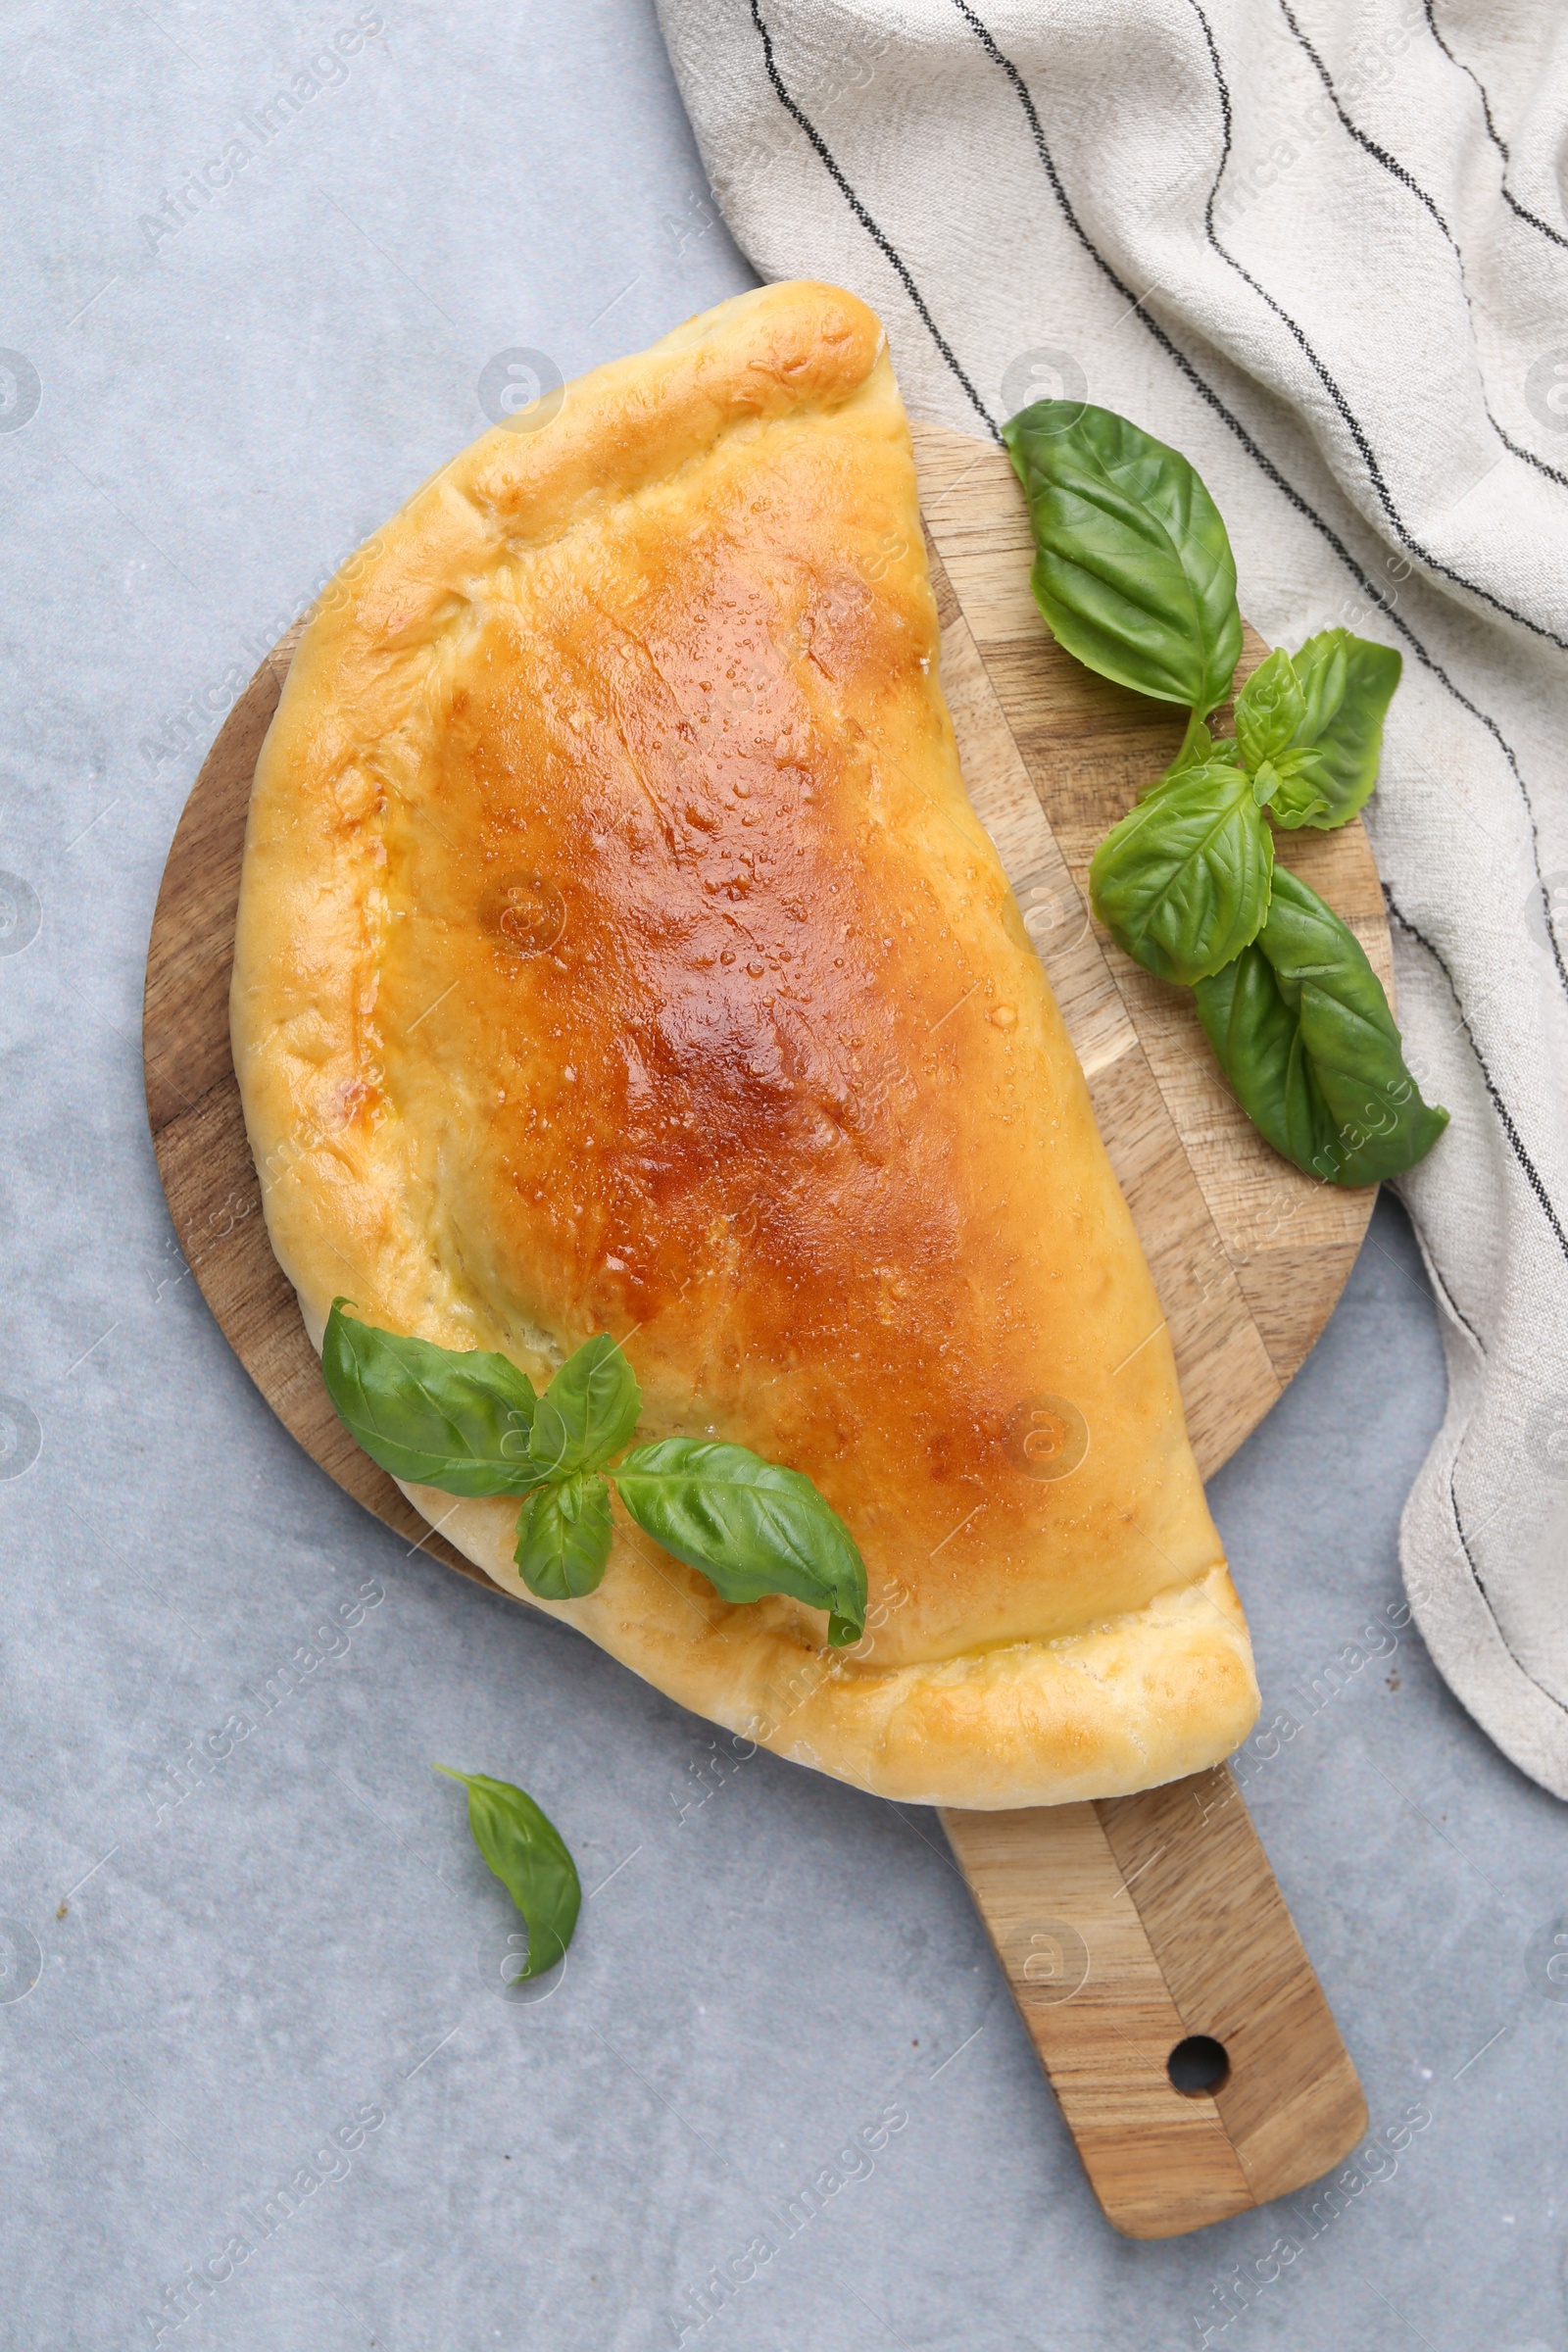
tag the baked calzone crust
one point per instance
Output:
(618, 952)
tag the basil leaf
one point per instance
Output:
(564, 1537)
(1331, 763)
(750, 1527)
(1132, 568)
(1323, 668)
(1182, 883)
(438, 1416)
(530, 1856)
(1292, 791)
(1304, 1036)
(1269, 708)
(588, 1411)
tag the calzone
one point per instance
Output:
(618, 952)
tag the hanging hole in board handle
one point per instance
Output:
(1198, 2067)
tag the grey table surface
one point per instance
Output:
(243, 1927)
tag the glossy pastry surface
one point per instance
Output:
(618, 951)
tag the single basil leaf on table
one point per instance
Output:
(588, 1412)
(1182, 883)
(564, 1534)
(436, 1416)
(750, 1527)
(1269, 708)
(1302, 1030)
(1133, 569)
(1330, 765)
(530, 1856)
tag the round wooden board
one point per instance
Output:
(1247, 1256)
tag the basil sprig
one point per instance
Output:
(528, 1855)
(1134, 574)
(470, 1424)
(1302, 1030)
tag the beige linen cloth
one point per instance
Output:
(1321, 247)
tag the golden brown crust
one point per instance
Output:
(618, 950)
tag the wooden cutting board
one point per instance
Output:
(1147, 1945)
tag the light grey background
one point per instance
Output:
(241, 1952)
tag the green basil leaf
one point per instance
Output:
(1303, 1033)
(1132, 568)
(1182, 883)
(530, 1856)
(1323, 668)
(438, 1416)
(1269, 708)
(1294, 793)
(564, 1537)
(750, 1527)
(588, 1411)
(1331, 763)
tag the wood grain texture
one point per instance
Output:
(1123, 1927)
(1247, 1257)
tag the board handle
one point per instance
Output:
(1168, 1997)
